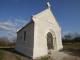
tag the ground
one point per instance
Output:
(63, 56)
(70, 52)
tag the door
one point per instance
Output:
(50, 41)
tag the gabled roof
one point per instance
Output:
(31, 21)
(36, 15)
(48, 6)
(44, 11)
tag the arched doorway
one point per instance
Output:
(50, 41)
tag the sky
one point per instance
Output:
(14, 14)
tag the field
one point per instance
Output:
(6, 55)
(72, 49)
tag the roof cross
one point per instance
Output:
(48, 5)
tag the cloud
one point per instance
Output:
(11, 26)
(7, 26)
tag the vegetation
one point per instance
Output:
(71, 42)
(44, 58)
(1, 54)
(5, 43)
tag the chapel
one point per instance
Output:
(40, 36)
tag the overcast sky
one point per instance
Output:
(16, 13)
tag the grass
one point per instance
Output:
(75, 45)
(18, 58)
(8, 52)
(1, 55)
(72, 48)
(44, 58)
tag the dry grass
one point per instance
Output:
(1, 54)
(72, 49)
(5, 55)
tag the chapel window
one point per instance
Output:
(24, 35)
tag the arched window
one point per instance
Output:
(49, 41)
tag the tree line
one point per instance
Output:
(71, 38)
(5, 42)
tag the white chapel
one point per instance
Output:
(40, 35)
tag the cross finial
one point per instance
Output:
(48, 4)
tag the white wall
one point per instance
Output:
(26, 47)
(44, 23)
